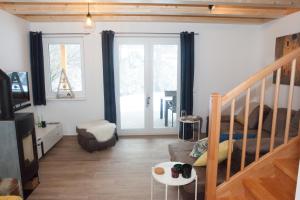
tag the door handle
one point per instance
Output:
(148, 101)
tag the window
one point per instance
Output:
(64, 53)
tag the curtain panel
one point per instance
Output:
(108, 76)
(187, 79)
(37, 68)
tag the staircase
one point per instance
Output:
(272, 176)
(275, 180)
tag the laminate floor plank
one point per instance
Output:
(122, 172)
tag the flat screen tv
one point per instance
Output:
(20, 89)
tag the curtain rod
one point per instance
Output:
(148, 33)
(119, 33)
(65, 33)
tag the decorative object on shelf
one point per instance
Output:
(285, 45)
(43, 124)
(64, 89)
(159, 170)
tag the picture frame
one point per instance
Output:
(285, 45)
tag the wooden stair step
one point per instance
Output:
(259, 192)
(279, 188)
(288, 166)
(230, 197)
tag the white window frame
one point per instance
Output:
(50, 95)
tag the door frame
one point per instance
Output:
(148, 41)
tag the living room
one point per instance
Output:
(225, 53)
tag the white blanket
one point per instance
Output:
(102, 132)
(93, 123)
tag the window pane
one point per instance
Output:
(132, 98)
(165, 58)
(68, 56)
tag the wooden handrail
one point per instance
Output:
(260, 75)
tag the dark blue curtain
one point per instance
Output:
(37, 68)
(108, 76)
(187, 78)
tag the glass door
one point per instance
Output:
(146, 72)
(165, 84)
(131, 86)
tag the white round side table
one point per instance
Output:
(168, 180)
(191, 120)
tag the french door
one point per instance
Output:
(147, 86)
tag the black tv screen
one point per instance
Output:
(19, 87)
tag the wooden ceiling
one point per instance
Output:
(224, 11)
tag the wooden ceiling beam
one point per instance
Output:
(257, 3)
(126, 9)
(142, 18)
(253, 11)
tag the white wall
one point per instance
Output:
(284, 26)
(14, 45)
(14, 40)
(225, 56)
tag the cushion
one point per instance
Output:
(280, 124)
(223, 152)
(180, 151)
(225, 126)
(199, 148)
(253, 113)
(236, 136)
(295, 120)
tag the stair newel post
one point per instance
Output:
(213, 146)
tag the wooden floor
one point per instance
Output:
(119, 173)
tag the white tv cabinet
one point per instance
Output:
(47, 137)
